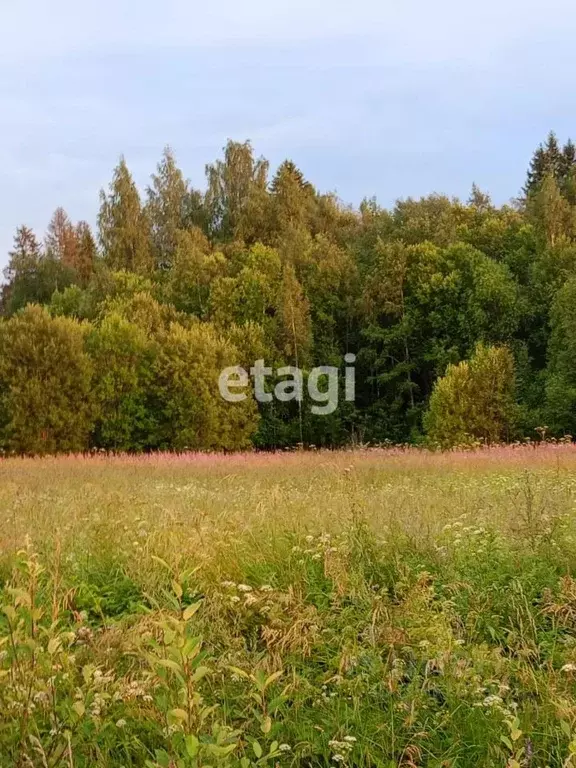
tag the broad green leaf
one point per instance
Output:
(192, 745)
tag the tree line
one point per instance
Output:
(460, 314)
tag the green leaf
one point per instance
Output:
(192, 745)
(178, 714)
(257, 749)
(191, 647)
(191, 610)
(239, 672)
(177, 589)
(163, 758)
(506, 740)
(162, 562)
(266, 725)
(169, 664)
(273, 677)
(54, 645)
(200, 673)
(218, 751)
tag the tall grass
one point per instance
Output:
(375, 608)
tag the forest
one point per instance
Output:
(460, 314)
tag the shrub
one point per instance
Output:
(475, 400)
(45, 384)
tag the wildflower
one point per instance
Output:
(41, 697)
(120, 723)
(266, 588)
(338, 758)
(351, 739)
(284, 747)
(568, 668)
(492, 701)
(244, 588)
(250, 600)
(235, 599)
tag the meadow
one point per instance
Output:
(355, 608)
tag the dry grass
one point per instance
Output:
(420, 603)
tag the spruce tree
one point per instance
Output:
(86, 253)
(549, 160)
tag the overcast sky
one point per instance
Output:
(371, 97)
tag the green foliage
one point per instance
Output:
(193, 414)
(123, 225)
(32, 274)
(123, 356)
(474, 401)
(561, 381)
(45, 384)
(297, 277)
(232, 185)
(167, 208)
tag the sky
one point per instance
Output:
(368, 98)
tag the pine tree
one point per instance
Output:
(123, 226)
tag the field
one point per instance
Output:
(375, 608)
